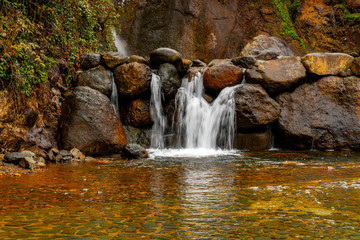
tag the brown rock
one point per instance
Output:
(27, 162)
(97, 78)
(258, 141)
(217, 62)
(184, 65)
(132, 79)
(76, 153)
(139, 114)
(138, 59)
(328, 63)
(112, 60)
(89, 60)
(322, 115)
(355, 67)
(277, 75)
(90, 124)
(164, 55)
(219, 77)
(254, 108)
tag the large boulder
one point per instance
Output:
(328, 63)
(89, 123)
(112, 60)
(139, 114)
(170, 80)
(132, 80)
(89, 60)
(164, 55)
(277, 75)
(321, 115)
(98, 78)
(355, 67)
(264, 47)
(254, 108)
(219, 77)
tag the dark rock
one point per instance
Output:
(198, 63)
(221, 76)
(138, 136)
(99, 79)
(63, 156)
(261, 47)
(51, 155)
(31, 116)
(321, 115)
(112, 60)
(27, 162)
(164, 55)
(39, 160)
(89, 60)
(254, 108)
(139, 114)
(138, 59)
(42, 137)
(14, 157)
(355, 67)
(244, 62)
(89, 123)
(132, 80)
(184, 65)
(135, 151)
(257, 141)
(170, 80)
(208, 98)
(277, 75)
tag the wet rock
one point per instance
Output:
(217, 62)
(39, 160)
(89, 60)
(264, 47)
(138, 59)
(135, 151)
(40, 164)
(132, 80)
(257, 141)
(164, 55)
(27, 162)
(198, 63)
(139, 114)
(355, 66)
(193, 71)
(277, 75)
(76, 153)
(28, 153)
(244, 62)
(63, 156)
(138, 136)
(112, 60)
(254, 108)
(321, 115)
(184, 65)
(221, 76)
(208, 98)
(90, 124)
(98, 78)
(51, 155)
(14, 157)
(328, 63)
(170, 80)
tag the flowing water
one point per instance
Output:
(120, 44)
(265, 195)
(114, 96)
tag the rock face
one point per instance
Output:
(132, 80)
(170, 80)
(328, 63)
(139, 114)
(98, 79)
(264, 47)
(321, 115)
(90, 124)
(164, 55)
(219, 77)
(277, 75)
(254, 108)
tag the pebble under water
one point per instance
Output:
(264, 195)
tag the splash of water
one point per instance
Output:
(120, 44)
(114, 96)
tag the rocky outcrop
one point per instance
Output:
(90, 124)
(328, 63)
(219, 77)
(132, 80)
(138, 114)
(254, 108)
(321, 115)
(170, 80)
(98, 79)
(277, 75)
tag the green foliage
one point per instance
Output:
(286, 8)
(347, 15)
(35, 32)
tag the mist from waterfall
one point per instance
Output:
(121, 45)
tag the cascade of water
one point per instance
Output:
(114, 96)
(200, 124)
(120, 44)
(157, 115)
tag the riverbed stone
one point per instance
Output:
(321, 115)
(277, 75)
(89, 60)
(266, 48)
(138, 114)
(164, 55)
(97, 78)
(63, 156)
(254, 108)
(90, 124)
(170, 80)
(219, 77)
(132, 80)
(27, 162)
(13, 157)
(28, 153)
(135, 151)
(355, 66)
(328, 63)
(76, 153)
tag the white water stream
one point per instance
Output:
(121, 45)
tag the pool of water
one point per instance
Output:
(263, 195)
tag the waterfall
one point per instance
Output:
(114, 96)
(157, 115)
(120, 44)
(199, 124)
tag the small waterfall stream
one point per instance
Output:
(114, 96)
(121, 45)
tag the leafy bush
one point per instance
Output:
(347, 15)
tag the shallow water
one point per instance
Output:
(267, 195)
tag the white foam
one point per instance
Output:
(191, 152)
